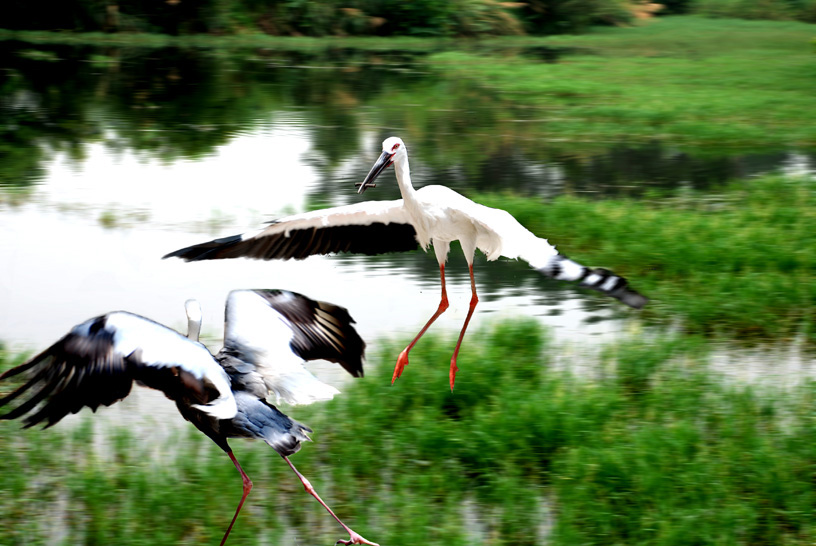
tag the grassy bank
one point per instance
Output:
(695, 84)
(688, 80)
(656, 450)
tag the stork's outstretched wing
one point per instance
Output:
(372, 227)
(97, 362)
(269, 333)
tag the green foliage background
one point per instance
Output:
(370, 17)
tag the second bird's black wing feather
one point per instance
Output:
(96, 363)
(321, 330)
(76, 371)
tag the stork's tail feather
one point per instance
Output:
(289, 443)
(603, 280)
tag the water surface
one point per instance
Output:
(114, 156)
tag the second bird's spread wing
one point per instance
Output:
(371, 227)
(269, 333)
(97, 362)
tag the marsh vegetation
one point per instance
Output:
(655, 151)
(656, 449)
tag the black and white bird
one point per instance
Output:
(432, 215)
(268, 334)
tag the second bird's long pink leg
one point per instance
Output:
(247, 489)
(402, 360)
(354, 538)
(474, 299)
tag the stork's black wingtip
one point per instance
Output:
(356, 371)
(180, 253)
(179, 256)
(211, 250)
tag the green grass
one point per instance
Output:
(737, 263)
(656, 450)
(693, 81)
(660, 451)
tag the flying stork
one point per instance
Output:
(433, 215)
(267, 336)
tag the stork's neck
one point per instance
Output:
(193, 311)
(193, 328)
(403, 172)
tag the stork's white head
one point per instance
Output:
(393, 150)
(393, 145)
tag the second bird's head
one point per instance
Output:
(392, 147)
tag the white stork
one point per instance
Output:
(268, 334)
(432, 215)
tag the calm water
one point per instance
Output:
(112, 157)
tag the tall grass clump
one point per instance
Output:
(658, 450)
(697, 461)
(632, 458)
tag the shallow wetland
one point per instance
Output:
(661, 152)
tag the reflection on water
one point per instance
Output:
(184, 104)
(60, 269)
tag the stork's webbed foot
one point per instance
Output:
(402, 361)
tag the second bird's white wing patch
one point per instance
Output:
(263, 336)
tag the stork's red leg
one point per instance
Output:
(474, 299)
(354, 538)
(247, 489)
(402, 360)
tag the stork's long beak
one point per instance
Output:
(382, 163)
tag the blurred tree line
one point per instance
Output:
(370, 17)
